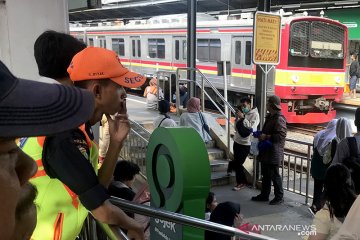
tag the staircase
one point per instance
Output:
(218, 166)
(217, 159)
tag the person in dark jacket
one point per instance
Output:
(271, 151)
(226, 213)
(318, 169)
(353, 72)
(124, 176)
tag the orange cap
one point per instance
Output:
(99, 63)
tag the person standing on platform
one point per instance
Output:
(247, 120)
(271, 151)
(70, 159)
(322, 141)
(151, 94)
(353, 74)
(26, 113)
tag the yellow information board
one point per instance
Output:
(267, 36)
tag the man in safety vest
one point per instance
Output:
(68, 181)
(29, 108)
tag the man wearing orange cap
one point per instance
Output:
(68, 184)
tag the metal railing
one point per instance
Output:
(295, 170)
(203, 80)
(185, 220)
(134, 148)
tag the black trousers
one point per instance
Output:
(240, 154)
(318, 200)
(270, 173)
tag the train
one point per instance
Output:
(309, 78)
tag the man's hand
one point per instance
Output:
(263, 137)
(119, 127)
(137, 234)
(240, 115)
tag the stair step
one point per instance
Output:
(219, 165)
(210, 144)
(221, 179)
(215, 153)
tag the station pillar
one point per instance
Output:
(21, 22)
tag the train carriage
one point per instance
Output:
(309, 77)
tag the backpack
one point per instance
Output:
(330, 151)
(353, 163)
(358, 70)
(242, 130)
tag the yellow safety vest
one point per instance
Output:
(60, 214)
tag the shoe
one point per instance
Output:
(312, 210)
(276, 201)
(260, 198)
(238, 187)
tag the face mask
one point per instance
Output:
(245, 110)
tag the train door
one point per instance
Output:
(179, 51)
(242, 67)
(135, 54)
(178, 59)
(102, 42)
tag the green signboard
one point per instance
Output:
(178, 173)
(350, 18)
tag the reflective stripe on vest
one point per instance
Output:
(60, 213)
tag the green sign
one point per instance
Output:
(178, 173)
(348, 17)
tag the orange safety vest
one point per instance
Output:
(60, 214)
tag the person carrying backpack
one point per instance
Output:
(354, 74)
(247, 120)
(347, 153)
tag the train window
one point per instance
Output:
(184, 49)
(133, 48)
(177, 49)
(237, 52)
(91, 42)
(209, 50)
(118, 45)
(215, 50)
(299, 42)
(248, 53)
(326, 40)
(139, 48)
(203, 49)
(156, 47)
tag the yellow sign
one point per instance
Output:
(267, 33)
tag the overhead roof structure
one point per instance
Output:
(136, 9)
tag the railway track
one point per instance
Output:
(305, 129)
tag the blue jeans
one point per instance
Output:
(352, 82)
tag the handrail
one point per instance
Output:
(184, 220)
(207, 81)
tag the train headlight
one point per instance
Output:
(295, 78)
(337, 79)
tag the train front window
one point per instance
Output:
(316, 44)
(300, 34)
(327, 41)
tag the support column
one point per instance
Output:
(191, 44)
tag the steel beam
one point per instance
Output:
(260, 91)
(191, 44)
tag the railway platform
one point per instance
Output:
(274, 219)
